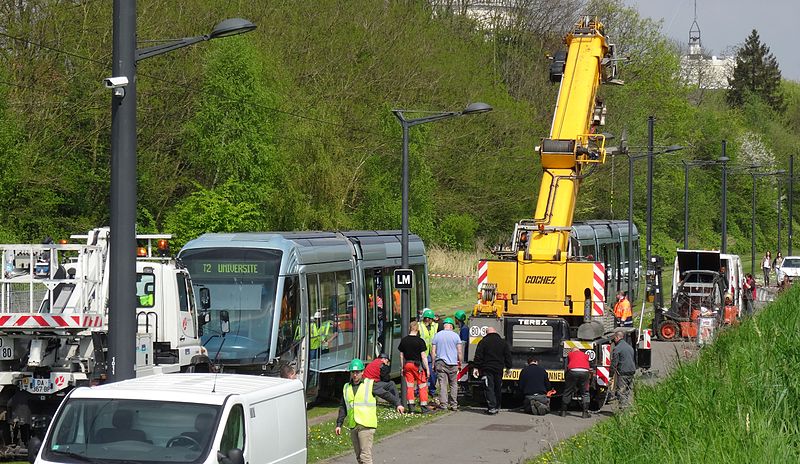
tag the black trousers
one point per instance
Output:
(493, 385)
(576, 382)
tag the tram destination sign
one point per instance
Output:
(226, 268)
(403, 279)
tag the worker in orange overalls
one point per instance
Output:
(623, 316)
(730, 315)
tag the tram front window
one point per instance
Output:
(242, 282)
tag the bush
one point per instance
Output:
(458, 231)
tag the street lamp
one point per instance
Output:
(472, 108)
(724, 160)
(755, 174)
(122, 291)
(631, 158)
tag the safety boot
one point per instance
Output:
(586, 414)
(563, 413)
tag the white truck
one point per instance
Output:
(54, 325)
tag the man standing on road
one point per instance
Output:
(448, 357)
(623, 315)
(623, 365)
(748, 295)
(577, 381)
(359, 413)
(378, 371)
(535, 386)
(413, 357)
(492, 356)
(427, 330)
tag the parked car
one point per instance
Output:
(791, 267)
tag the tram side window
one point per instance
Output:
(289, 332)
(418, 299)
(346, 311)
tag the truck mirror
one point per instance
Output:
(205, 298)
(34, 443)
(224, 321)
(235, 456)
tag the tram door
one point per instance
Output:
(312, 334)
(376, 313)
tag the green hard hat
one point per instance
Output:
(450, 321)
(356, 365)
(428, 312)
(461, 315)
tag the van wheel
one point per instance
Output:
(668, 331)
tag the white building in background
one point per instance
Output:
(701, 70)
(489, 13)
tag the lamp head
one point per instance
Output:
(723, 159)
(672, 148)
(477, 107)
(232, 26)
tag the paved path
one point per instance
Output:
(470, 436)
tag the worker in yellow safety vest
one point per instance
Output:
(359, 410)
(427, 330)
(319, 334)
(147, 300)
(623, 316)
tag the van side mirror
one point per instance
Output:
(34, 444)
(205, 298)
(235, 456)
(224, 321)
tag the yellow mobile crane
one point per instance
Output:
(541, 294)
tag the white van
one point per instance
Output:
(179, 418)
(709, 260)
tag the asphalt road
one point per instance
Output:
(469, 435)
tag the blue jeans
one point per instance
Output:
(432, 378)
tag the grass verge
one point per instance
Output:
(738, 403)
(323, 442)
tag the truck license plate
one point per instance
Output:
(40, 386)
(6, 348)
(513, 374)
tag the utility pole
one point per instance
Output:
(724, 159)
(791, 194)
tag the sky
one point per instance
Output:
(725, 24)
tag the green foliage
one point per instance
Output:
(458, 231)
(756, 72)
(736, 403)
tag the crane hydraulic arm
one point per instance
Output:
(573, 143)
(538, 277)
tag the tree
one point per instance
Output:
(756, 72)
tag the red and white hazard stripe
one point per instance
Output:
(646, 343)
(604, 370)
(483, 273)
(599, 289)
(25, 321)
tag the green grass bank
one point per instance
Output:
(738, 402)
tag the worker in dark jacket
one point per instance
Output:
(535, 385)
(623, 366)
(492, 356)
(577, 381)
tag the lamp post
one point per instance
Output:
(122, 259)
(755, 174)
(724, 160)
(791, 193)
(631, 158)
(472, 108)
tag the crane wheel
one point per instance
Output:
(668, 331)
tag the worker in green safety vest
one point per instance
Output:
(358, 410)
(427, 330)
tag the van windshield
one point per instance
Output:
(105, 430)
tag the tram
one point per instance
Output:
(314, 300)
